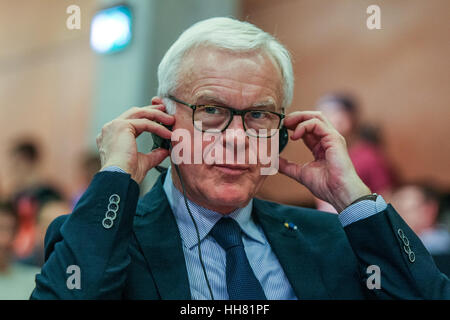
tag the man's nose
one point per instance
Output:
(237, 123)
(234, 135)
(235, 131)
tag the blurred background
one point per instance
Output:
(387, 91)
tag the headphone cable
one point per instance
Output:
(196, 230)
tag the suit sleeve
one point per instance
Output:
(407, 270)
(87, 251)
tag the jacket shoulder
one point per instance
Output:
(309, 218)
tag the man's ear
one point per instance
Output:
(156, 101)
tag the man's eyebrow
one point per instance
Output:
(210, 99)
(205, 98)
(267, 104)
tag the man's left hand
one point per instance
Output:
(331, 176)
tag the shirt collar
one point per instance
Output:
(205, 218)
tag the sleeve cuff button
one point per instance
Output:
(107, 223)
(114, 199)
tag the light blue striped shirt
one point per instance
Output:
(262, 259)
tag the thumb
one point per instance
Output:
(154, 158)
(290, 169)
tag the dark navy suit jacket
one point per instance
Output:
(140, 256)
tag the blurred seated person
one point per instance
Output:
(89, 165)
(363, 143)
(444, 206)
(16, 279)
(418, 204)
(29, 188)
(49, 210)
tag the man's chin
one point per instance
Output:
(229, 199)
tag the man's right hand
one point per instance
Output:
(117, 141)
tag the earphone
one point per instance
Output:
(284, 138)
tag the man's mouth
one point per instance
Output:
(232, 169)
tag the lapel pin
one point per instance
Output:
(290, 225)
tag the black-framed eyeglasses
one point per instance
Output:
(216, 119)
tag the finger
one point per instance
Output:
(312, 126)
(297, 117)
(155, 115)
(133, 110)
(151, 114)
(289, 168)
(144, 125)
(317, 137)
(147, 111)
(154, 158)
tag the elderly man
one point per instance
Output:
(200, 233)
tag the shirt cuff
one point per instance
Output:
(114, 169)
(361, 210)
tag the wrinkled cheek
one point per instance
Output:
(261, 152)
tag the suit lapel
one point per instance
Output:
(158, 235)
(159, 238)
(294, 254)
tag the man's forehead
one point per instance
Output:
(210, 62)
(211, 57)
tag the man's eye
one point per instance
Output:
(257, 115)
(211, 110)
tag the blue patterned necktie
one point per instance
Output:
(241, 281)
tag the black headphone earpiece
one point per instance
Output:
(159, 142)
(284, 138)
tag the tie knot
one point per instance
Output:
(227, 233)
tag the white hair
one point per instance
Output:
(228, 34)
